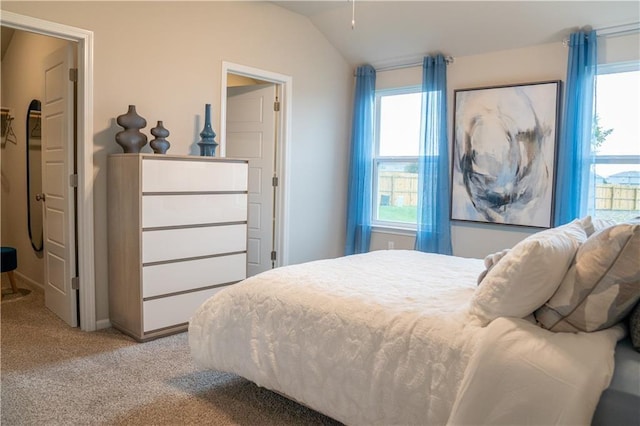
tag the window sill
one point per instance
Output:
(393, 230)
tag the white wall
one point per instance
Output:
(22, 81)
(166, 58)
(619, 48)
(537, 63)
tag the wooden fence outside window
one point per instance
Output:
(401, 189)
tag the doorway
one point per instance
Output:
(37, 88)
(84, 152)
(252, 118)
(255, 120)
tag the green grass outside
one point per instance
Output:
(406, 214)
(617, 215)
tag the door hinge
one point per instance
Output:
(73, 180)
(73, 74)
(273, 256)
(75, 283)
(276, 106)
(274, 181)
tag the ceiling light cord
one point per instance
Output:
(353, 14)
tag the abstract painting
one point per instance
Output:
(504, 154)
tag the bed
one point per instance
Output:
(404, 337)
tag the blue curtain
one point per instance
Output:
(433, 225)
(574, 151)
(361, 163)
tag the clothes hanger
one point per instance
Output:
(10, 134)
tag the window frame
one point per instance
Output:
(604, 69)
(377, 159)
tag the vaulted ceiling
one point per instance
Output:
(5, 38)
(393, 32)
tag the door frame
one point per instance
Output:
(84, 152)
(284, 89)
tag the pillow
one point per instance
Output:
(634, 327)
(489, 261)
(593, 225)
(602, 285)
(528, 274)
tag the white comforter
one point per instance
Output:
(385, 338)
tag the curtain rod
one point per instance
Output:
(612, 31)
(448, 60)
(617, 30)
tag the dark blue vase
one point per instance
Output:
(207, 143)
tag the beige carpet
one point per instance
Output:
(55, 375)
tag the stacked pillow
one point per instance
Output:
(526, 276)
(602, 285)
(489, 261)
(583, 276)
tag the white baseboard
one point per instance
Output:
(28, 281)
(102, 324)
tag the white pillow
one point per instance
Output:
(528, 275)
(593, 225)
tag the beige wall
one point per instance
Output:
(166, 58)
(22, 81)
(537, 63)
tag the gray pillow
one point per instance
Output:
(601, 286)
(490, 261)
(634, 327)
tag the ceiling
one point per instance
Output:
(398, 32)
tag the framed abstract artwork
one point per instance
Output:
(504, 149)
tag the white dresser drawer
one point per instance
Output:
(189, 176)
(190, 209)
(173, 277)
(183, 243)
(174, 310)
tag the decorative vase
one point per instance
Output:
(159, 145)
(207, 143)
(131, 139)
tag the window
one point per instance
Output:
(395, 163)
(616, 143)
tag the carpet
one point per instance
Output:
(8, 295)
(56, 375)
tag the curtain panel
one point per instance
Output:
(433, 232)
(574, 157)
(361, 163)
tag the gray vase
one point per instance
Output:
(131, 139)
(159, 145)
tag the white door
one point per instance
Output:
(57, 168)
(251, 134)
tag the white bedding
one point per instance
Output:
(386, 338)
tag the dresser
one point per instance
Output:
(177, 234)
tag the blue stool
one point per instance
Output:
(8, 263)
